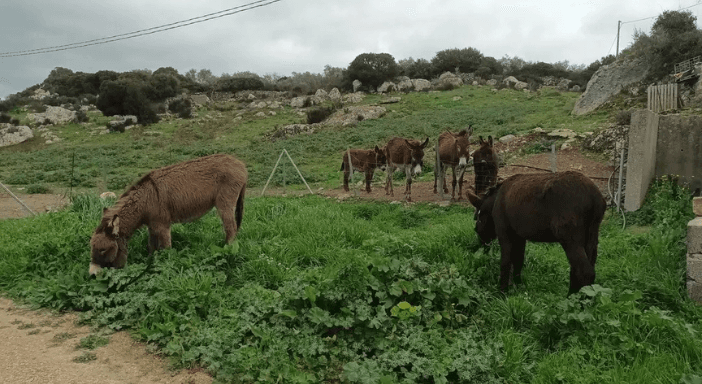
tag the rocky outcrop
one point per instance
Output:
(54, 115)
(11, 135)
(421, 85)
(608, 81)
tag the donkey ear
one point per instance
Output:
(490, 141)
(481, 140)
(469, 130)
(425, 142)
(114, 225)
(377, 150)
(474, 199)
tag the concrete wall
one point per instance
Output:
(679, 149)
(641, 160)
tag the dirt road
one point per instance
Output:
(41, 347)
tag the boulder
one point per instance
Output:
(54, 115)
(298, 102)
(356, 85)
(321, 93)
(199, 100)
(334, 94)
(420, 85)
(11, 135)
(353, 98)
(507, 139)
(387, 86)
(563, 84)
(121, 123)
(450, 78)
(405, 86)
(608, 81)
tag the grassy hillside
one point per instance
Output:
(113, 161)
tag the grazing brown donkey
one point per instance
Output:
(485, 163)
(407, 155)
(565, 208)
(173, 194)
(454, 151)
(365, 161)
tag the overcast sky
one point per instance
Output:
(305, 35)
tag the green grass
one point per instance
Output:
(319, 291)
(89, 163)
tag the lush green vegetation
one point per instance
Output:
(115, 160)
(314, 290)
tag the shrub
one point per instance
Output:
(623, 117)
(162, 86)
(182, 107)
(5, 118)
(464, 60)
(123, 97)
(371, 69)
(37, 188)
(317, 115)
(235, 84)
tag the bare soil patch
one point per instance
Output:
(39, 203)
(40, 347)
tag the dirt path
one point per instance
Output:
(40, 347)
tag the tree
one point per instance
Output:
(673, 23)
(416, 69)
(371, 69)
(464, 60)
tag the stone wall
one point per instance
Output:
(694, 253)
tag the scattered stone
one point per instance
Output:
(260, 114)
(565, 133)
(507, 138)
(108, 195)
(390, 100)
(251, 96)
(457, 98)
(538, 130)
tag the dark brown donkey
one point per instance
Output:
(565, 208)
(365, 161)
(485, 163)
(454, 152)
(176, 193)
(407, 155)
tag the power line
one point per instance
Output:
(144, 32)
(653, 17)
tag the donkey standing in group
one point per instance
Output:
(407, 155)
(565, 208)
(363, 160)
(454, 152)
(173, 194)
(485, 163)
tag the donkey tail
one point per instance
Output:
(239, 215)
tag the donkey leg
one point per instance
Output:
(453, 184)
(388, 183)
(505, 263)
(582, 272)
(226, 214)
(408, 189)
(517, 256)
(159, 237)
(346, 179)
(369, 179)
(460, 183)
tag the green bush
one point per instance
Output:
(372, 69)
(37, 188)
(182, 107)
(466, 60)
(319, 114)
(236, 84)
(124, 97)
